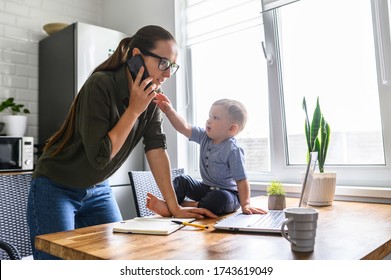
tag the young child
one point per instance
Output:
(224, 186)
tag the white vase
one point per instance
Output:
(15, 125)
(322, 189)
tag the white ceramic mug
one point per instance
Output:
(301, 224)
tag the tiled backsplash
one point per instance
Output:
(20, 31)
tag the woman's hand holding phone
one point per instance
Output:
(139, 99)
(141, 94)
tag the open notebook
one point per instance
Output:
(149, 225)
(272, 221)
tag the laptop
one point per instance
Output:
(272, 221)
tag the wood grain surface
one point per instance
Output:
(346, 230)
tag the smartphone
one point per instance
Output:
(134, 65)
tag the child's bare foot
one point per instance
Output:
(157, 205)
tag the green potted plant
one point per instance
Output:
(317, 133)
(276, 193)
(15, 122)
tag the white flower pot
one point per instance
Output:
(15, 125)
(322, 189)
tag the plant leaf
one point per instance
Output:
(325, 139)
(315, 126)
(307, 125)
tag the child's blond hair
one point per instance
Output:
(236, 110)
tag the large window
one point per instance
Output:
(332, 49)
(324, 54)
(224, 39)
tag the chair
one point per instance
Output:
(143, 182)
(14, 231)
(11, 250)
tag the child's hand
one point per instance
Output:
(248, 209)
(163, 102)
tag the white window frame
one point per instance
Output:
(375, 176)
(367, 183)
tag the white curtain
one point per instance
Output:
(268, 5)
(207, 19)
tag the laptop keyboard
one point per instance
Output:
(273, 219)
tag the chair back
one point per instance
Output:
(11, 250)
(14, 231)
(143, 182)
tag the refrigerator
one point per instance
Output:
(66, 59)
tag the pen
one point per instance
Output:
(190, 224)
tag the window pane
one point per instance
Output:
(327, 49)
(233, 66)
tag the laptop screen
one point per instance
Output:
(307, 181)
(272, 221)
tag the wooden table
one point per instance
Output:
(346, 230)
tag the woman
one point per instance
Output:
(107, 119)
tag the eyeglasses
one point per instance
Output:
(164, 63)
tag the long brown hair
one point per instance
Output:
(145, 39)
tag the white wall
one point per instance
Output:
(20, 31)
(129, 16)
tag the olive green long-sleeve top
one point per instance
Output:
(86, 161)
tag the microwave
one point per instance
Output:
(16, 153)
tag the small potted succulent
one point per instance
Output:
(276, 193)
(15, 122)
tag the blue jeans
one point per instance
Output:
(53, 207)
(217, 200)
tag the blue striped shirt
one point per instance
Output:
(220, 164)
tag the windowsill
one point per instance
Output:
(346, 193)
